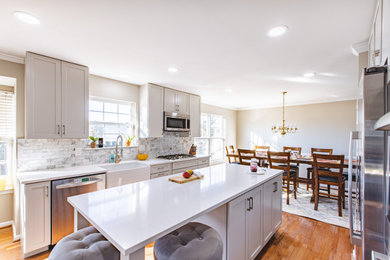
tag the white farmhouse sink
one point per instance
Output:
(125, 173)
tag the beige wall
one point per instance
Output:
(113, 89)
(231, 120)
(324, 125)
(16, 70)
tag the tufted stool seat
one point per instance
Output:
(85, 244)
(190, 242)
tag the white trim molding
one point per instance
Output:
(6, 224)
(359, 48)
(12, 58)
(16, 236)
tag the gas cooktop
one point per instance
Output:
(175, 156)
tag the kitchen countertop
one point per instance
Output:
(61, 173)
(147, 210)
(55, 174)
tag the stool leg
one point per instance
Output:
(288, 190)
(307, 179)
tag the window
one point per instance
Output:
(108, 119)
(212, 138)
(7, 129)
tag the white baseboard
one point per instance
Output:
(6, 224)
(16, 236)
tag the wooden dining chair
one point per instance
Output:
(309, 170)
(230, 150)
(295, 166)
(245, 156)
(328, 170)
(263, 149)
(281, 161)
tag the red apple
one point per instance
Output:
(186, 175)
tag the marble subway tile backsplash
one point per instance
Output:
(41, 154)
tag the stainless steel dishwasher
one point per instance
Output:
(62, 213)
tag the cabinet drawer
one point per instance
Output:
(160, 174)
(204, 161)
(160, 168)
(200, 166)
(184, 164)
(181, 170)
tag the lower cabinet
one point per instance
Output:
(272, 207)
(36, 218)
(252, 220)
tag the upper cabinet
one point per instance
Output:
(151, 110)
(195, 115)
(155, 100)
(379, 39)
(57, 95)
(176, 101)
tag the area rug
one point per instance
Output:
(327, 208)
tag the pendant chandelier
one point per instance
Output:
(283, 129)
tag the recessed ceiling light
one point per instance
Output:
(173, 70)
(277, 31)
(27, 18)
(309, 74)
(228, 90)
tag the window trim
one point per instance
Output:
(133, 112)
(209, 138)
(10, 141)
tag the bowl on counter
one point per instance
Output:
(142, 156)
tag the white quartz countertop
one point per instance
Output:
(133, 215)
(61, 173)
(55, 174)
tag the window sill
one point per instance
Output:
(108, 148)
(6, 191)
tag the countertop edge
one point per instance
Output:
(24, 177)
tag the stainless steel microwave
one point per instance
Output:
(175, 122)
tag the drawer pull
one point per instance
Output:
(249, 204)
(275, 186)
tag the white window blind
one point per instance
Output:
(7, 115)
(7, 130)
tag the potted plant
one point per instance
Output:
(128, 139)
(94, 140)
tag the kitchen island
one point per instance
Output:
(244, 208)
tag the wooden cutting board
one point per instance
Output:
(180, 179)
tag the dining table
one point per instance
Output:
(301, 159)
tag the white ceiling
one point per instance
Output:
(216, 45)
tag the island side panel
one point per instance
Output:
(216, 219)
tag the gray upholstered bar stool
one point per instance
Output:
(85, 244)
(193, 241)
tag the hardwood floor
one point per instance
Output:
(297, 238)
(304, 238)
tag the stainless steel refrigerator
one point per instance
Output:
(368, 187)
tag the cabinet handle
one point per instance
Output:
(275, 186)
(249, 204)
(47, 191)
(58, 129)
(63, 131)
